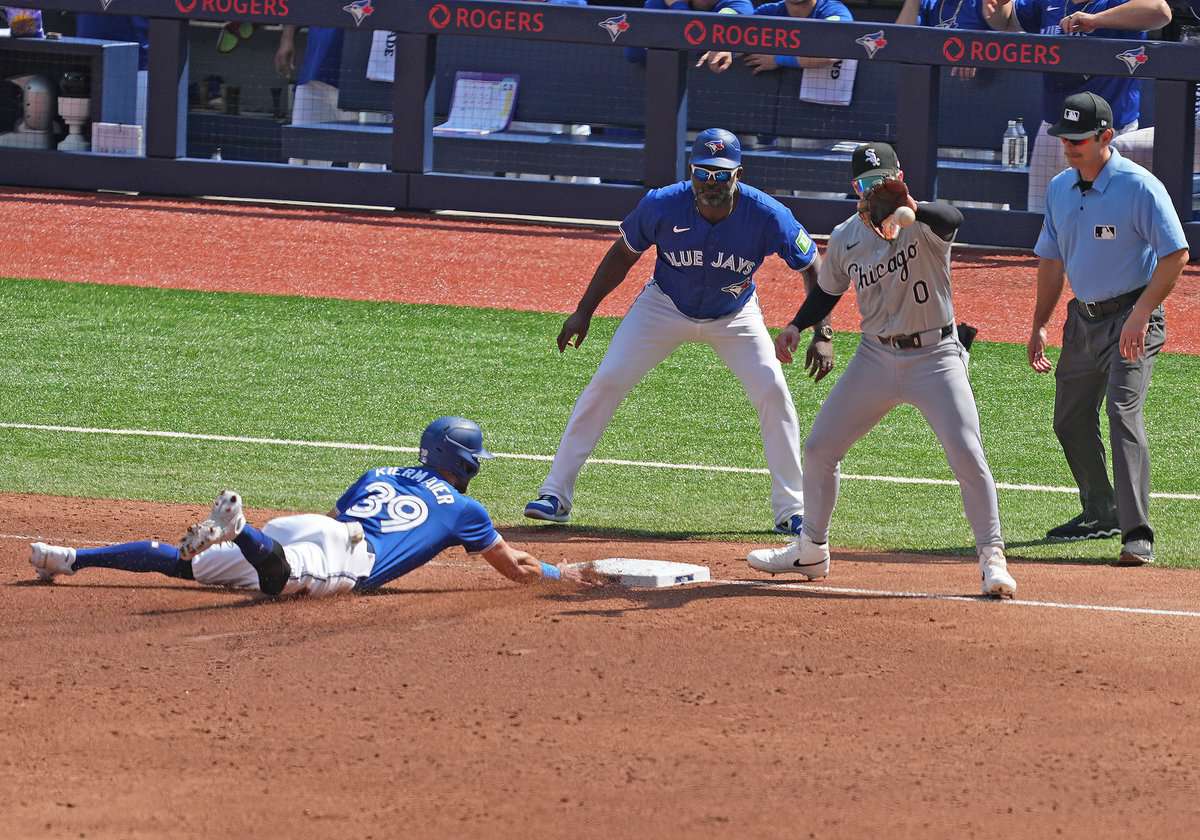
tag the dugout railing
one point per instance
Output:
(671, 39)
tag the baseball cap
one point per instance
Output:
(1083, 114)
(717, 147)
(871, 159)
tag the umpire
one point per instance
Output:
(1111, 227)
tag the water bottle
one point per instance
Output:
(1009, 146)
(1023, 149)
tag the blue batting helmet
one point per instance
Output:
(717, 147)
(454, 447)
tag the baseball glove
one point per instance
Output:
(878, 205)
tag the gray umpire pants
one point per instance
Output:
(1091, 370)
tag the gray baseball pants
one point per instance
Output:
(879, 378)
(1090, 370)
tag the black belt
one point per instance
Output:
(1103, 308)
(913, 340)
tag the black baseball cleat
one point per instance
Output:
(1082, 528)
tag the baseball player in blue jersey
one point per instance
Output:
(711, 235)
(814, 9)
(388, 523)
(1125, 19)
(716, 61)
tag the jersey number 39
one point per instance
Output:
(394, 511)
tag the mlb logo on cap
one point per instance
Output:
(1071, 114)
(1083, 115)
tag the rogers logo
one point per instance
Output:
(494, 20)
(742, 35)
(439, 16)
(954, 49)
(259, 8)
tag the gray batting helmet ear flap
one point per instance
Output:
(453, 446)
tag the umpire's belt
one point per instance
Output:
(917, 339)
(1104, 308)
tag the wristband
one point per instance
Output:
(551, 572)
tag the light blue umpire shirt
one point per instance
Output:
(1111, 237)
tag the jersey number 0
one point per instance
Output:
(394, 511)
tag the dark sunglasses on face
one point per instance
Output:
(719, 175)
(864, 185)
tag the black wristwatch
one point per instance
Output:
(823, 333)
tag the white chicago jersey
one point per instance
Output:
(902, 286)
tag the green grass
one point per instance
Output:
(296, 368)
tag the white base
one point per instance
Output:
(74, 143)
(653, 574)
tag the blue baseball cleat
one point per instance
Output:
(548, 509)
(791, 526)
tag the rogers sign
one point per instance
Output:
(741, 35)
(494, 20)
(955, 49)
(255, 8)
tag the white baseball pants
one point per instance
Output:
(318, 549)
(1138, 146)
(651, 330)
(879, 378)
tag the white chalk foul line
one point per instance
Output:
(819, 588)
(517, 456)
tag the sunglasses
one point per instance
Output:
(719, 175)
(865, 184)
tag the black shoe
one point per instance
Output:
(1136, 553)
(1082, 528)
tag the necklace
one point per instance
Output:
(948, 22)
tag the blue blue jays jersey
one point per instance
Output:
(823, 10)
(322, 60)
(409, 516)
(708, 269)
(952, 14)
(1123, 93)
(117, 28)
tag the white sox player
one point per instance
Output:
(909, 353)
(711, 234)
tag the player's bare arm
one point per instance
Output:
(611, 272)
(1050, 279)
(522, 567)
(1141, 15)
(1000, 16)
(1162, 281)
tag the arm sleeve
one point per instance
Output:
(941, 217)
(1047, 242)
(1158, 222)
(788, 61)
(794, 246)
(638, 227)
(816, 306)
(474, 529)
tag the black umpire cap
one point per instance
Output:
(1083, 114)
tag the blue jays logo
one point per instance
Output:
(1134, 59)
(736, 289)
(359, 9)
(715, 146)
(872, 42)
(615, 25)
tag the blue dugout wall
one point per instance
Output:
(914, 58)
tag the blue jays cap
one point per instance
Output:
(717, 147)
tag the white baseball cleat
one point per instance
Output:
(51, 560)
(993, 568)
(801, 556)
(224, 523)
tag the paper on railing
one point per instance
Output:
(381, 64)
(832, 85)
(482, 103)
